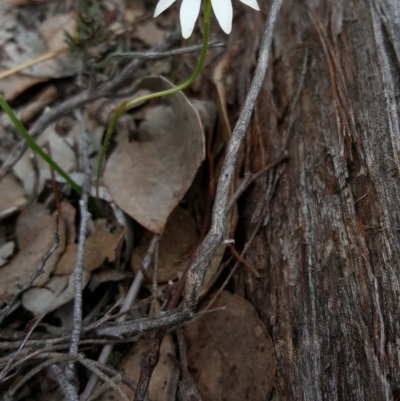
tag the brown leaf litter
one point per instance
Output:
(176, 246)
(230, 353)
(27, 45)
(35, 232)
(149, 176)
(164, 376)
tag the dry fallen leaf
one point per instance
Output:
(69, 216)
(177, 243)
(106, 275)
(38, 104)
(6, 251)
(99, 246)
(62, 151)
(149, 176)
(11, 87)
(161, 383)
(12, 195)
(63, 143)
(53, 29)
(149, 33)
(35, 235)
(57, 292)
(27, 45)
(133, 12)
(230, 353)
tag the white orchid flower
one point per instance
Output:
(190, 10)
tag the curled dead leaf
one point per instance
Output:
(57, 292)
(35, 235)
(99, 247)
(149, 176)
(12, 195)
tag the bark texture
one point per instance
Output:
(329, 247)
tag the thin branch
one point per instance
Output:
(104, 387)
(250, 178)
(30, 63)
(187, 386)
(13, 357)
(91, 365)
(78, 271)
(214, 238)
(155, 304)
(128, 302)
(66, 387)
(152, 55)
(245, 249)
(165, 319)
(10, 394)
(53, 359)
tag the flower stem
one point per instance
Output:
(128, 105)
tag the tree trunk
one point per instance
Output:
(329, 246)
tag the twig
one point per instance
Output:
(91, 365)
(250, 178)
(126, 380)
(9, 395)
(66, 338)
(128, 302)
(260, 222)
(105, 386)
(243, 261)
(53, 359)
(151, 55)
(28, 356)
(155, 305)
(225, 283)
(151, 356)
(187, 387)
(12, 358)
(40, 270)
(78, 271)
(66, 387)
(165, 319)
(214, 237)
(31, 63)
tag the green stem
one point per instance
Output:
(196, 72)
(120, 110)
(128, 105)
(36, 148)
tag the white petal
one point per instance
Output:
(223, 12)
(162, 5)
(190, 10)
(251, 3)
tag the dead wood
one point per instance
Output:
(329, 250)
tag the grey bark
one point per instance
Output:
(329, 252)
